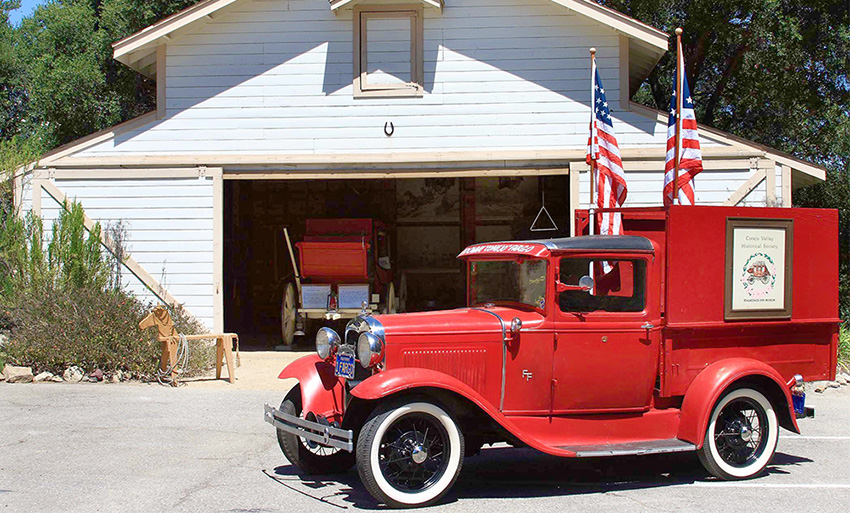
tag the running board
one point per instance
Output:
(631, 448)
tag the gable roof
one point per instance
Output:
(138, 51)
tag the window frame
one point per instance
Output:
(603, 314)
(362, 13)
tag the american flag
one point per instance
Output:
(603, 150)
(690, 156)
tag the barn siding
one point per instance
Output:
(170, 231)
(276, 77)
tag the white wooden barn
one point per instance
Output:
(272, 111)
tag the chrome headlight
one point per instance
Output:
(327, 343)
(370, 350)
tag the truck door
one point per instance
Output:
(606, 354)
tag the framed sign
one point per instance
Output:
(759, 258)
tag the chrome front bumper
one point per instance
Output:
(309, 430)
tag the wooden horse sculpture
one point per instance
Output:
(168, 336)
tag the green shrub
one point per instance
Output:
(65, 306)
(844, 347)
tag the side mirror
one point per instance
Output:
(584, 284)
(516, 326)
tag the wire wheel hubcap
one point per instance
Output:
(414, 453)
(741, 432)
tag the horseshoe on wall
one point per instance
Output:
(389, 128)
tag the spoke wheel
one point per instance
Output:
(741, 436)
(409, 454)
(288, 306)
(391, 299)
(309, 456)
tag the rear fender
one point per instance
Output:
(392, 382)
(715, 379)
(322, 393)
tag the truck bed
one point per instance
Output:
(698, 329)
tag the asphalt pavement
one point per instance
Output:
(98, 447)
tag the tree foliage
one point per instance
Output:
(60, 78)
(772, 71)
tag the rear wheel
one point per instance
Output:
(288, 306)
(390, 301)
(741, 436)
(409, 454)
(309, 456)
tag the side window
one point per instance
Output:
(619, 285)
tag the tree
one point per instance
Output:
(772, 71)
(72, 84)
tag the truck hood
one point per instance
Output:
(461, 320)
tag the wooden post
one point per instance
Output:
(786, 186)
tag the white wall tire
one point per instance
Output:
(308, 457)
(741, 436)
(382, 448)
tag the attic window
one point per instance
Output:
(388, 51)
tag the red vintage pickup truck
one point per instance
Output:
(655, 341)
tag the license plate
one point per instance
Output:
(345, 365)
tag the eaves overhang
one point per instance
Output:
(138, 51)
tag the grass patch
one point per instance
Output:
(844, 348)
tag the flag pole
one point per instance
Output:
(591, 219)
(679, 82)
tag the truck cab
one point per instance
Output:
(688, 333)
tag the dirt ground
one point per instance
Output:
(257, 370)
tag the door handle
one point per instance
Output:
(647, 326)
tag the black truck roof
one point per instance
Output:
(597, 243)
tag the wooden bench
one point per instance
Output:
(168, 336)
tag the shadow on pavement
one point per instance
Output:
(525, 473)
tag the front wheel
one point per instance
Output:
(309, 456)
(409, 454)
(741, 436)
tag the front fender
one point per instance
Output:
(322, 393)
(710, 384)
(391, 382)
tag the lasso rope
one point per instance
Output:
(166, 377)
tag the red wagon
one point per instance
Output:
(344, 269)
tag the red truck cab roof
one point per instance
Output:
(546, 247)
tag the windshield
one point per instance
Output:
(516, 281)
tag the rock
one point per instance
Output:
(120, 375)
(819, 386)
(43, 376)
(833, 384)
(73, 374)
(97, 375)
(57, 379)
(114, 379)
(3, 340)
(17, 374)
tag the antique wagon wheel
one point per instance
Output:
(288, 306)
(390, 302)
